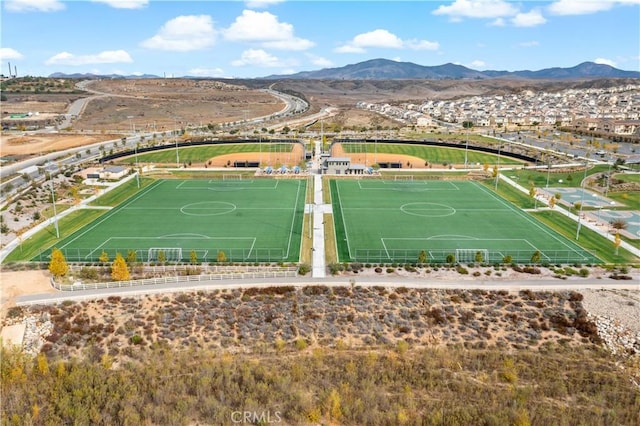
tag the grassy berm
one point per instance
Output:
(320, 355)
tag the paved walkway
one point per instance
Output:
(319, 267)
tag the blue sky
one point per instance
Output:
(247, 39)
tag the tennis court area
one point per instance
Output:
(395, 220)
(246, 219)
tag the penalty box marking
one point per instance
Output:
(174, 237)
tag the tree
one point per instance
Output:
(552, 202)
(193, 257)
(222, 257)
(532, 194)
(495, 171)
(618, 224)
(479, 258)
(616, 242)
(422, 257)
(162, 258)
(536, 256)
(132, 257)
(58, 264)
(119, 269)
(104, 257)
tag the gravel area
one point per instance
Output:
(622, 305)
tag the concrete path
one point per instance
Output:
(319, 267)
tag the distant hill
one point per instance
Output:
(379, 69)
(385, 69)
(89, 76)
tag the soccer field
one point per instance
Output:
(248, 220)
(393, 221)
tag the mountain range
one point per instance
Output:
(380, 69)
(385, 69)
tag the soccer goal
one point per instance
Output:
(472, 255)
(403, 178)
(164, 254)
(231, 177)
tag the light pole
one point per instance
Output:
(53, 202)
(176, 138)
(606, 189)
(137, 166)
(466, 148)
(548, 170)
(581, 201)
(497, 167)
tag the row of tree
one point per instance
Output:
(59, 267)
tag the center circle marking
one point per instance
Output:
(208, 208)
(427, 209)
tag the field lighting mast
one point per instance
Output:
(175, 135)
(53, 201)
(581, 201)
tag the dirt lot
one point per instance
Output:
(160, 104)
(41, 143)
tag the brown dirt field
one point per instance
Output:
(160, 104)
(43, 143)
(18, 283)
(269, 159)
(407, 161)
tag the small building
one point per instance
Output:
(113, 172)
(341, 166)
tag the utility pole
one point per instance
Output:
(53, 202)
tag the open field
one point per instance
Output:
(247, 220)
(417, 156)
(344, 355)
(222, 155)
(393, 221)
(43, 143)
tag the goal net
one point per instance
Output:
(164, 254)
(472, 255)
(404, 178)
(232, 177)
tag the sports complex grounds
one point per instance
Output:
(171, 219)
(262, 219)
(396, 220)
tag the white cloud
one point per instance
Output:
(384, 39)
(207, 72)
(477, 9)
(604, 61)
(579, 7)
(532, 43)
(477, 64)
(319, 61)
(8, 53)
(264, 28)
(498, 22)
(257, 57)
(528, 19)
(124, 4)
(291, 44)
(377, 38)
(184, 34)
(33, 5)
(261, 4)
(106, 57)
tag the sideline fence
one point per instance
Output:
(281, 273)
(142, 254)
(442, 256)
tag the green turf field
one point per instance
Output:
(205, 152)
(432, 154)
(248, 220)
(393, 221)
